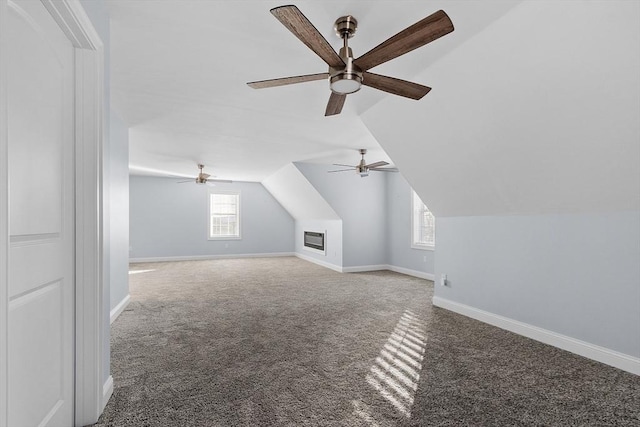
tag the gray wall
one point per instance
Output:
(99, 16)
(170, 220)
(399, 227)
(119, 210)
(360, 202)
(575, 274)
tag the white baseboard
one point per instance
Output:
(409, 272)
(319, 262)
(365, 268)
(205, 257)
(120, 308)
(582, 348)
(107, 391)
(401, 270)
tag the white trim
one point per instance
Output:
(314, 250)
(238, 215)
(582, 348)
(364, 268)
(319, 262)
(413, 244)
(107, 391)
(118, 309)
(90, 317)
(4, 221)
(205, 257)
(414, 273)
(73, 20)
(89, 236)
(422, 247)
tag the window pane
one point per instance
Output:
(423, 223)
(224, 215)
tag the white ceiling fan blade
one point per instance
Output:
(343, 170)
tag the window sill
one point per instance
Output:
(423, 247)
(225, 238)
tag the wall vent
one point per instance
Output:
(314, 240)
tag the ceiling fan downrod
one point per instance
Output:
(348, 79)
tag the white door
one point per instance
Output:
(41, 218)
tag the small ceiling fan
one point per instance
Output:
(363, 168)
(203, 178)
(347, 74)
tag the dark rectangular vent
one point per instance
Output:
(314, 240)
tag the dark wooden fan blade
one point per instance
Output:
(395, 86)
(422, 32)
(377, 164)
(291, 17)
(288, 80)
(334, 106)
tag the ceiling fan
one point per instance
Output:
(363, 168)
(203, 178)
(347, 74)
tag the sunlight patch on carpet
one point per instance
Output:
(396, 371)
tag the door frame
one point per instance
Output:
(91, 324)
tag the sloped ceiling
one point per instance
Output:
(298, 196)
(535, 105)
(539, 113)
(179, 73)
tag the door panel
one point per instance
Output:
(36, 383)
(41, 218)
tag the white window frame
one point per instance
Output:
(238, 214)
(414, 244)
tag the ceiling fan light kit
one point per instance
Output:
(346, 75)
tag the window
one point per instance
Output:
(423, 225)
(224, 216)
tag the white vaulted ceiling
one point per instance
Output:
(535, 106)
(179, 73)
(538, 114)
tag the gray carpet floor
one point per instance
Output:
(280, 341)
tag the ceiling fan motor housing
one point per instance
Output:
(345, 26)
(348, 79)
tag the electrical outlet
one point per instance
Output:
(424, 258)
(443, 280)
